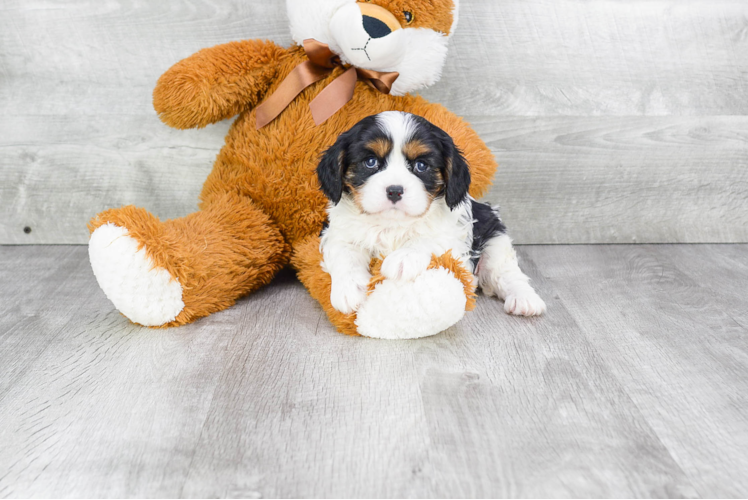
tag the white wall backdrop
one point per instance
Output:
(614, 121)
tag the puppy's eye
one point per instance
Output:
(371, 162)
(408, 17)
(420, 167)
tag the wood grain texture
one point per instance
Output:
(598, 58)
(675, 342)
(613, 121)
(621, 179)
(633, 385)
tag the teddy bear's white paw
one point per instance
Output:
(427, 305)
(348, 292)
(146, 294)
(524, 303)
(405, 264)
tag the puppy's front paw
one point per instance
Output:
(349, 292)
(524, 303)
(405, 264)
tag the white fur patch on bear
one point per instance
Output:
(400, 309)
(146, 294)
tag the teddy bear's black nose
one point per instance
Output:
(376, 28)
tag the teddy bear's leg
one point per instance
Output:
(307, 260)
(173, 272)
(408, 309)
(434, 301)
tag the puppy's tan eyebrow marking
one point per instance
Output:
(414, 149)
(381, 147)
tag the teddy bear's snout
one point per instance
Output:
(371, 37)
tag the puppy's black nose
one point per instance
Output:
(376, 28)
(394, 193)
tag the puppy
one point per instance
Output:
(398, 188)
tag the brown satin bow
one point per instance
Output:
(333, 97)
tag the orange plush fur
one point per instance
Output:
(261, 206)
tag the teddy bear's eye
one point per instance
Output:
(408, 16)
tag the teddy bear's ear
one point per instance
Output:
(331, 170)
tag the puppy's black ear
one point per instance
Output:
(456, 174)
(331, 170)
(333, 165)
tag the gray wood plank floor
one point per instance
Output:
(634, 384)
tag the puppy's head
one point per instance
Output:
(394, 163)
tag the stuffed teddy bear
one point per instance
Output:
(261, 207)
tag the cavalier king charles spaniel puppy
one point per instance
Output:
(398, 189)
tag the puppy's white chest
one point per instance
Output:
(384, 241)
(437, 232)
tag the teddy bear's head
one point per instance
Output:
(406, 36)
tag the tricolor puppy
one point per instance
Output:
(398, 188)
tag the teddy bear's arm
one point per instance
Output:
(480, 158)
(216, 83)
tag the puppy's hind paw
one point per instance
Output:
(524, 303)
